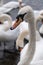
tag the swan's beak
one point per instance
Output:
(17, 22)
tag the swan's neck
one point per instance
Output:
(32, 41)
(32, 33)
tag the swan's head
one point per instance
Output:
(25, 13)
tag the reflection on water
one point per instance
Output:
(10, 59)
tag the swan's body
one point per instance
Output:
(32, 52)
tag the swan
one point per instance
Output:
(5, 33)
(24, 33)
(23, 30)
(34, 47)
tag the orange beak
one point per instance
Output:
(17, 23)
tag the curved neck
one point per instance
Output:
(21, 38)
(32, 39)
(4, 17)
(32, 33)
(29, 53)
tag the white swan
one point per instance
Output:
(5, 33)
(6, 23)
(32, 52)
(25, 32)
